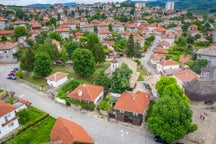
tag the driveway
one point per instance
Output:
(103, 131)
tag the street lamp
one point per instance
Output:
(123, 135)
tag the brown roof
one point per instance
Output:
(7, 45)
(56, 76)
(193, 26)
(88, 25)
(88, 92)
(127, 33)
(102, 24)
(35, 31)
(19, 22)
(164, 43)
(133, 102)
(185, 75)
(160, 29)
(5, 108)
(69, 132)
(62, 29)
(71, 22)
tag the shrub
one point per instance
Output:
(23, 116)
(20, 74)
(106, 104)
(81, 103)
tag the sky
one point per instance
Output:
(27, 2)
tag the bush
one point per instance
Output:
(23, 116)
(106, 104)
(20, 74)
(81, 103)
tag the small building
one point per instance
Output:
(8, 119)
(167, 67)
(208, 54)
(88, 93)
(104, 34)
(131, 107)
(57, 79)
(8, 51)
(67, 132)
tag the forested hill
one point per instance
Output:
(199, 6)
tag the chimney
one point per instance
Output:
(84, 85)
(79, 93)
(133, 97)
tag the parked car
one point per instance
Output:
(11, 77)
(15, 69)
(158, 139)
(11, 74)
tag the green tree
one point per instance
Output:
(120, 79)
(99, 53)
(27, 60)
(63, 55)
(56, 36)
(83, 62)
(130, 47)
(4, 38)
(20, 31)
(163, 82)
(102, 79)
(71, 46)
(190, 40)
(42, 65)
(171, 117)
(23, 116)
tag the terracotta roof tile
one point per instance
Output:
(160, 50)
(160, 29)
(157, 57)
(69, 132)
(87, 92)
(6, 32)
(104, 31)
(5, 108)
(133, 102)
(186, 75)
(56, 76)
(7, 45)
(184, 59)
(168, 63)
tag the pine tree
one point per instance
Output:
(130, 47)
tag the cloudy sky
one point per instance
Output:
(27, 2)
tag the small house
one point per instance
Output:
(57, 79)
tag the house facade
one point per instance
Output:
(57, 79)
(8, 119)
(7, 51)
(130, 107)
(167, 65)
(88, 93)
(208, 54)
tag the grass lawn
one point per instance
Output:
(62, 68)
(34, 115)
(142, 73)
(37, 134)
(38, 82)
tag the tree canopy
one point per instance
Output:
(102, 79)
(83, 62)
(20, 31)
(171, 117)
(42, 65)
(27, 60)
(120, 78)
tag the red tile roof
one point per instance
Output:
(62, 30)
(19, 22)
(168, 63)
(184, 59)
(88, 92)
(56, 76)
(157, 57)
(186, 75)
(133, 102)
(104, 31)
(72, 22)
(164, 43)
(69, 132)
(160, 50)
(160, 29)
(7, 45)
(5, 108)
(6, 32)
(102, 24)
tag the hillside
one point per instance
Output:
(49, 5)
(199, 6)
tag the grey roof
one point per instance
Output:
(211, 51)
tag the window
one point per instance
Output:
(7, 117)
(11, 125)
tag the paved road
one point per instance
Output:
(144, 60)
(102, 131)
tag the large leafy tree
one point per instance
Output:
(171, 117)
(70, 46)
(20, 31)
(56, 36)
(83, 62)
(42, 65)
(102, 79)
(130, 47)
(27, 60)
(120, 78)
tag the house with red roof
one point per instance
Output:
(167, 67)
(8, 118)
(64, 32)
(156, 58)
(88, 93)
(87, 27)
(185, 75)
(72, 24)
(104, 34)
(160, 50)
(7, 52)
(119, 28)
(131, 107)
(57, 79)
(164, 44)
(160, 30)
(184, 59)
(102, 25)
(19, 23)
(6, 33)
(67, 132)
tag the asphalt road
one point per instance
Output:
(144, 60)
(103, 132)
